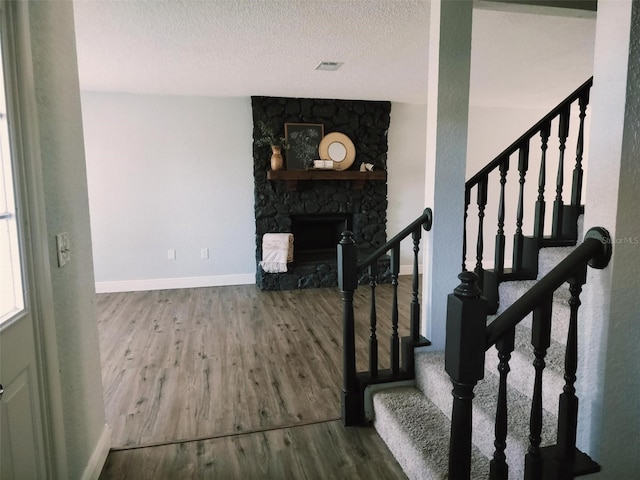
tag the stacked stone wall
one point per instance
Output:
(366, 124)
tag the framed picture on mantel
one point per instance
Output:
(303, 140)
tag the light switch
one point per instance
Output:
(171, 254)
(63, 249)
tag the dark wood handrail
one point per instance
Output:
(596, 245)
(426, 219)
(562, 226)
(527, 135)
(468, 340)
(401, 349)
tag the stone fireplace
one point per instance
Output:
(317, 211)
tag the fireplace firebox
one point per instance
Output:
(316, 236)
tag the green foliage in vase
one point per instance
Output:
(268, 138)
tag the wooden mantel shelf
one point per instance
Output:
(293, 176)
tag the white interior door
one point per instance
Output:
(22, 445)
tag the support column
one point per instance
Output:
(447, 120)
(609, 329)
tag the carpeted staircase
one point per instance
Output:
(414, 421)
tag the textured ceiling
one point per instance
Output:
(271, 47)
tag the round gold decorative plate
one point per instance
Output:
(338, 147)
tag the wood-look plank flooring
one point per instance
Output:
(210, 364)
(313, 452)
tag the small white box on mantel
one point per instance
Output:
(323, 164)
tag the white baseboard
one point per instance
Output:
(193, 282)
(172, 283)
(99, 456)
(408, 269)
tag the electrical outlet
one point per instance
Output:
(171, 254)
(204, 253)
(63, 249)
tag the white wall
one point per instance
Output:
(169, 172)
(446, 135)
(524, 61)
(143, 150)
(491, 130)
(608, 381)
(85, 439)
(406, 169)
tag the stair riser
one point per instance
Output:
(559, 324)
(417, 434)
(559, 316)
(435, 384)
(549, 257)
(522, 378)
(408, 455)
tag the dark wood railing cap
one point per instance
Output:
(601, 260)
(541, 126)
(588, 251)
(428, 215)
(347, 238)
(425, 220)
(468, 287)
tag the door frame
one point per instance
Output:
(34, 242)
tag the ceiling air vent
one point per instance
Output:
(331, 66)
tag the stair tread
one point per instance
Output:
(522, 374)
(512, 291)
(549, 257)
(421, 416)
(554, 358)
(417, 433)
(434, 382)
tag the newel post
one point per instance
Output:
(464, 362)
(348, 282)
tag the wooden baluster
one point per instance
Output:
(464, 362)
(348, 282)
(395, 340)
(576, 188)
(538, 228)
(499, 249)
(415, 302)
(467, 201)
(373, 319)
(563, 132)
(518, 239)
(568, 408)
(499, 470)
(482, 203)
(540, 339)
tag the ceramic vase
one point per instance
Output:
(277, 162)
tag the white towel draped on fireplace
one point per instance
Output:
(277, 251)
